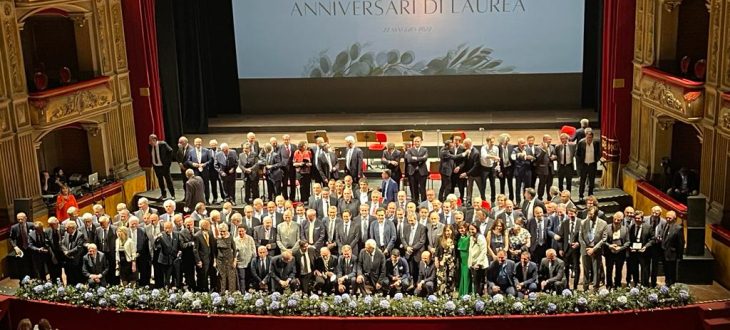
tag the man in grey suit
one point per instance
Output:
(434, 230)
(313, 231)
(592, 238)
(413, 243)
(95, 267)
(417, 170)
(617, 244)
(329, 168)
(194, 190)
(347, 232)
(144, 208)
(371, 270)
(287, 233)
(544, 165)
(348, 202)
(552, 273)
(265, 235)
(249, 164)
(21, 244)
(673, 245)
(565, 152)
(353, 160)
(383, 232)
(526, 275)
(74, 250)
(510, 214)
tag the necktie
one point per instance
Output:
(565, 154)
(412, 236)
(386, 187)
(262, 266)
(23, 236)
(572, 229)
(550, 267)
(266, 236)
(205, 236)
(540, 233)
(103, 238)
(347, 228)
(524, 272)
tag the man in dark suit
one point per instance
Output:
(348, 202)
(161, 155)
(286, 150)
(41, 252)
(328, 165)
(641, 238)
(417, 170)
(391, 158)
(325, 268)
(313, 231)
(274, 170)
(565, 152)
(265, 235)
(470, 169)
(200, 160)
(544, 165)
(194, 191)
(413, 243)
(55, 233)
(260, 274)
(21, 244)
(316, 150)
(95, 267)
(539, 239)
(383, 232)
(526, 278)
(587, 155)
(552, 273)
(446, 169)
(389, 187)
(144, 255)
(215, 179)
(322, 206)
(530, 203)
(205, 249)
(398, 273)
(370, 267)
(183, 149)
(187, 245)
(347, 232)
(510, 215)
(673, 246)
(500, 275)
(617, 243)
(74, 250)
(353, 160)
(226, 162)
(570, 250)
(506, 167)
(346, 270)
(106, 237)
(283, 272)
(522, 159)
(249, 164)
(580, 133)
(168, 243)
(304, 259)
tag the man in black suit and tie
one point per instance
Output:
(673, 245)
(539, 238)
(41, 253)
(21, 244)
(283, 272)
(545, 155)
(274, 170)
(500, 275)
(194, 191)
(506, 167)
(205, 248)
(73, 250)
(95, 267)
(580, 133)
(226, 162)
(249, 164)
(391, 158)
(200, 160)
(417, 170)
(587, 155)
(260, 274)
(265, 235)
(522, 159)
(106, 237)
(552, 273)
(346, 270)
(187, 245)
(55, 233)
(347, 232)
(325, 268)
(565, 152)
(371, 270)
(470, 169)
(215, 179)
(328, 165)
(304, 258)
(526, 278)
(161, 155)
(168, 243)
(413, 243)
(426, 276)
(446, 169)
(286, 150)
(353, 160)
(570, 250)
(398, 273)
(641, 238)
(181, 154)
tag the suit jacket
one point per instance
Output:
(560, 149)
(513, 216)
(206, 158)
(495, 267)
(348, 269)
(389, 234)
(391, 194)
(598, 239)
(673, 243)
(579, 134)
(259, 273)
(259, 236)
(319, 233)
(353, 206)
(73, 247)
(580, 153)
(95, 266)
(524, 207)
(187, 244)
(181, 155)
(402, 266)
(318, 206)
(623, 240)
(15, 234)
(165, 153)
(521, 165)
(226, 163)
(434, 234)
(111, 236)
(351, 238)
(354, 168)
(329, 266)
(287, 239)
(56, 241)
(447, 165)
(567, 236)
(396, 155)
(287, 157)
(471, 165)
(194, 192)
(169, 247)
(249, 162)
(646, 237)
(278, 165)
(372, 267)
(42, 241)
(543, 164)
(416, 161)
(531, 273)
(280, 270)
(298, 255)
(419, 241)
(532, 227)
(558, 273)
(89, 234)
(505, 154)
(325, 170)
(205, 253)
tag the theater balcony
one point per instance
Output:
(63, 105)
(675, 96)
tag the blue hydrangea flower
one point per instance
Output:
(532, 296)
(128, 292)
(215, 294)
(603, 292)
(102, 302)
(275, 296)
(384, 304)
(61, 291)
(461, 311)
(417, 304)
(684, 295)
(551, 308)
(49, 285)
(143, 298)
(247, 296)
(79, 286)
(622, 300)
(664, 290)
(449, 305)
(314, 297)
(155, 293)
(498, 298)
(634, 291)
(292, 303)
(567, 293)
(518, 306)
(88, 296)
(324, 307)
(114, 297)
(274, 305)
(231, 301)
(172, 298)
(188, 295)
(432, 299)
(466, 298)
(345, 297)
(259, 303)
(38, 288)
(296, 295)
(352, 304)
(338, 300)
(582, 301)
(217, 301)
(368, 300)
(398, 296)
(479, 306)
(25, 280)
(100, 290)
(197, 304)
(653, 298)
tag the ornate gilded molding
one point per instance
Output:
(665, 123)
(662, 94)
(80, 20)
(52, 107)
(681, 97)
(118, 27)
(714, 40)
(102, 34)
(78, 103)
(671, 5)
(10, 34)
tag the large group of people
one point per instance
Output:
(344, 233)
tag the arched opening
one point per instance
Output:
(66, 148)
(682, 38)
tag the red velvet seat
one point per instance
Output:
(570, 130)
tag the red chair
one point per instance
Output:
(65, 75)
(700, 69)
(570, 130)
(433, 172)
(381, 138)
(684, 65)
(40, 80)
(463, 134)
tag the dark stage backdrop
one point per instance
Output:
(197, 63)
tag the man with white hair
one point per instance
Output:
(215, 179)
(371, 270)
(144, 208)
(580, 133)
(226, 162)
(194, 191)
(73, 249)
(88, 228)
(95, 267)
(200, 160)
(98, 212)
(587, 155)
(353, 159)
(73, 216)
(251, 140)
(183, 149)
(19, 239)
(169, 206)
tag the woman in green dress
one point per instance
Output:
(463, 247)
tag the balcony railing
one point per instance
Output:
(675, 95)
(65, 104)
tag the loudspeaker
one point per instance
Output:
(24, 205)
(696, 207)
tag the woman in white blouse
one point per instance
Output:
(478, 261)
(246, 250)
(126, 254)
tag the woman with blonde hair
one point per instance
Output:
(126, 252)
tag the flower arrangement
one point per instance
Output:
(298, 304)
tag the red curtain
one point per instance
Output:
(141, 35)
(617, 70)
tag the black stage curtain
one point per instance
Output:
(198, 69)
(592, 53)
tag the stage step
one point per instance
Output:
(717, 324)
(716, 310)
